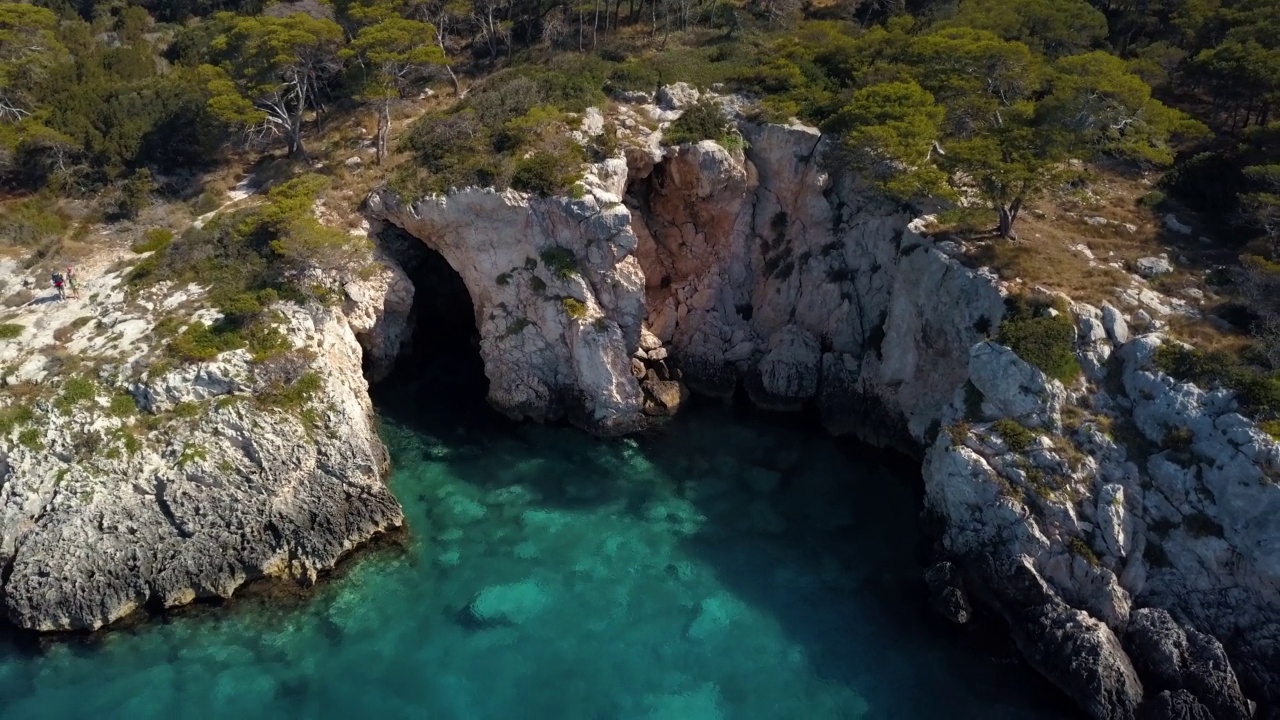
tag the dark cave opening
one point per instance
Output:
(440, 362)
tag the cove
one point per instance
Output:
(723, 566)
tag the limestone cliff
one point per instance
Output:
(765, 269)
(127, 482)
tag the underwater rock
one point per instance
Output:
(509, 604)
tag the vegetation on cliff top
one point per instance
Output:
(119, 104)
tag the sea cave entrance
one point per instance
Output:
(440, 364)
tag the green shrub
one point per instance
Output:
(546, 173)
(75, 390)
(30, 438)
(1153, 199)
(576, 309)
(1079, 547)
(1045, 341)
(561, 261)
(187, 410)
(1257, 391)
(201, 342)
(294, 395)
(122, 405)
(264, 340)
(704, 120)
(9, 331)
(1018, 438)
(31, 222)
(14, 416)
(152, 240)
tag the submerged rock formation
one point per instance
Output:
(764, 269)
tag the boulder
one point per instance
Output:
(1012, 388)
(947, 594)
(1114, 323)
(1174, 225)
(1177, 660)
(509, 604)
(1150, 267)
(677, 96)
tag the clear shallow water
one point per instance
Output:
(720, 568)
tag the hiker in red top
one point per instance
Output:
(58, 284)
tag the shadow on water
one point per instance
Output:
(822, 536)
(833, 554)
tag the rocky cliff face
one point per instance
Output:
(126, 484)
(765, 270)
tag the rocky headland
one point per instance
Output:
(1125, 525)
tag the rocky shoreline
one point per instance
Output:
(1126, 526)
(1138, 574)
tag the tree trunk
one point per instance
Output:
(1008, 216)
(296, 148)
(384, 129)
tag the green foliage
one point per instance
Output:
(1044, 341)
(574, 308)
(1152, 200)
(75, 390)
(561, 261)
(1016, 437)
(547, 173)
(1080, 548)
(135, 195)
(704, 120)
(122, 405)
(153, 240)
(293, 395)
(9, 331)
(511, 131)
(887, 131)
(14, 416)
(187, 410)
(199, 342)
(31, 222)
(30, 439)
(1257, 391)
(1054, 27)
(270, 70)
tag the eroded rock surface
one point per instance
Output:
(763, 269)
(130, 480)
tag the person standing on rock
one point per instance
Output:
(58, 283)
(73, 283)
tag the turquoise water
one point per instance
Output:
(723, 567)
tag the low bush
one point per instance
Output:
(292, 395)
(200, 342)
(547, 173)
(704, 120)
(1257, 390)
(1018, 438)
(152, 240)
(75, 390)
(1153, 199)
(561, 261)
(122, 405)
(1044, 340)
(31, 222)
(9, 331)
(14, 416)
(576, 309)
